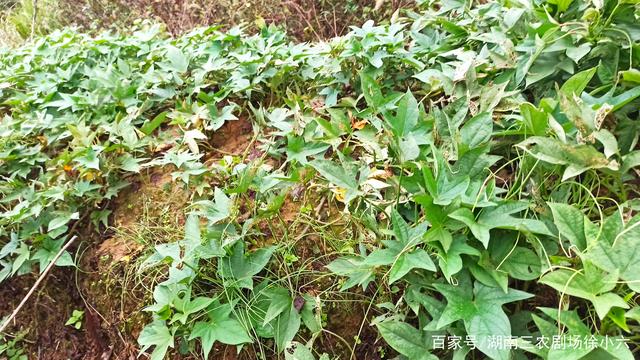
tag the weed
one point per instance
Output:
(76, 319)
(12, 349)
(21, 20)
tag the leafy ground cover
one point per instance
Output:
(459, 183)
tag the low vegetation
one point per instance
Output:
(460, 182)
(304, 20)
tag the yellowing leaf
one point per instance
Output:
(340, 194)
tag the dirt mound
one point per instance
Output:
(106, 286)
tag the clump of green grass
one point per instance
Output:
(24, 19)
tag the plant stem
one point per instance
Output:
(35, 286)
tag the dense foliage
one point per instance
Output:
(483, 153)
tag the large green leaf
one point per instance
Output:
(177, 60)
(577, 158)
(578, 82)
(589, 283)
(355, 268)
(572, 224)
(158, 335)
(621, 254)
(216, 210)
(342, 175)
(499, 217)
(402, 254)
(482, 314)
(219, 327)
(239, 268)
(406, 339)
(476, 131)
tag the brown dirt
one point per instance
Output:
(545, 297)
(232, 138)
(44, 316)
(107, 288)
(346, 321)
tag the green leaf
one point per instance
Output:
(450, 262)
(186, 307)
(480, 231)
(371, 91)
(416, 259)
(440, 234)
(536, 121)
(286, 323)
(616, 102)
(578, 158)
(402, 125)
(130, 164)
(220, 327)
(450, 189)
(631, 75)
(216, 210)
(192, 230)
(335, 174)
(280, 301)
(355, 268)
(634, 314)
(239, 268)
(405, 339)
(576, 53)
(571, 224)
(75, 318)
(522, 264)
(406, 117)
(89, 159)
(401, 254)
(591, 284)
(22, 258)
(608, 141)
(401, 229)
(630, 161)
(578, 82)
(562, 5)
(156, 334)
(500, 217)
(311, 313)
(149, 126)
(338, 175)
(61, 220)
(620, 255)
(178, 61)
(298, 150)
(477, 130)
(48, 250)
(219, 117)
(297, 351)
(409, 149)
(481, 312)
